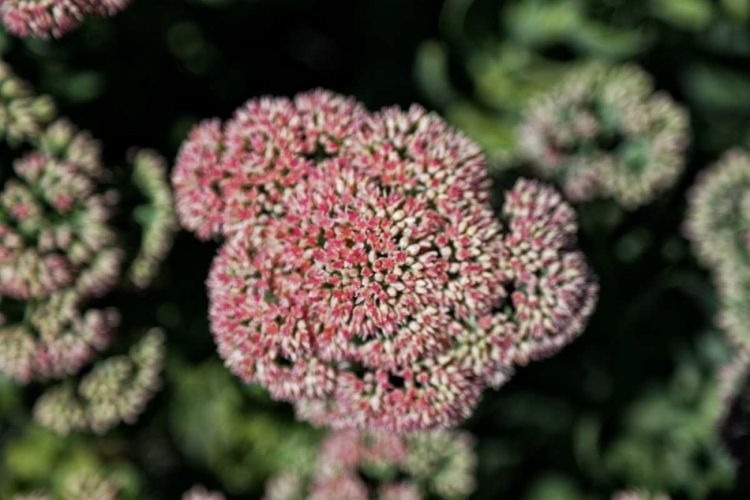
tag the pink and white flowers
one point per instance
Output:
(365, 276)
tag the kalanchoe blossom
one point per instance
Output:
(53, 18)
(604, 132)
(365, 277)
(22, 114)
(354, 465)
(117, 389)
(156, 217)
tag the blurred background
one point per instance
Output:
(631, 403)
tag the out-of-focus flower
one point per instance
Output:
(718, 216)
(365, 276)
(57, 249)
(604, 132)
(200, 493)
(117, 389)
(55, 230)
(638, 495)
(717, 225)
(156, 216)
(362, 465)
(60, 248)
(53, 18)
(22, 114)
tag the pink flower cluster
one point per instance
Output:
(365, 276)
(60, 250)
(355, 465)
(57, 249)
(45, 18)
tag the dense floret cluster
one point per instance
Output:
(60, 250)
(717, 225)
(365, 276)
(604, 132)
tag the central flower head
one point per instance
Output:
(365, 277)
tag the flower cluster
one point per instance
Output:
(365, 277)
(55, 223)
(717, 225)
(45, 18)
(116, 389)
(60, 249)
(360, 465)
(604, 132)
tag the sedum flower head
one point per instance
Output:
(717, 225)
(366, 278)
(718, 214)
(117, 389)
(376, 310)
(60, 249)
(57, 250)
(55, 229)
(604, 132)
(53, 18)
(363, 465)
